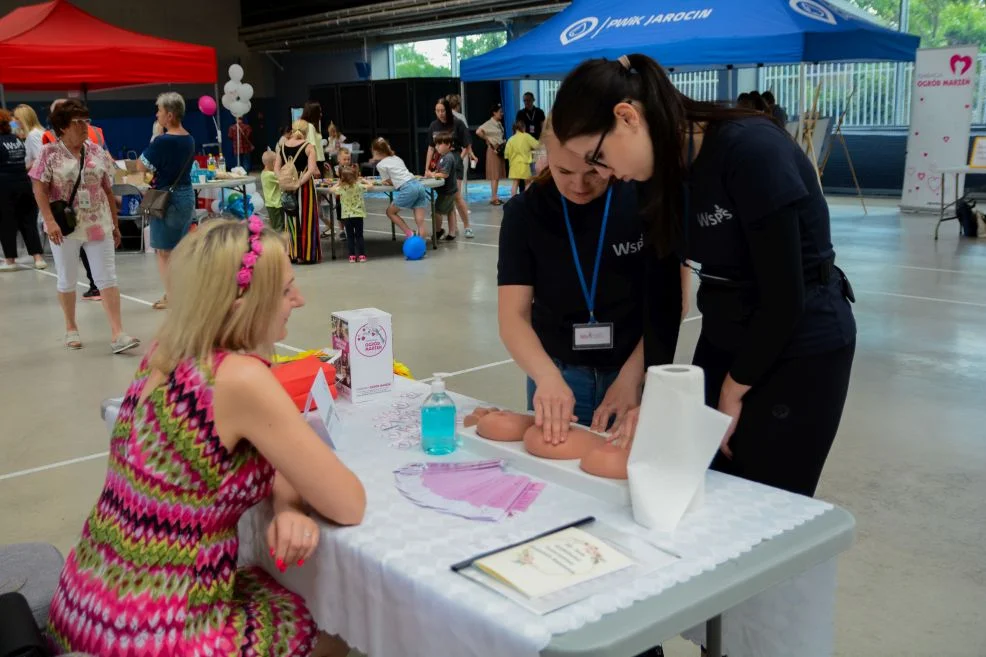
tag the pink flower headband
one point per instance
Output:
(245, 275)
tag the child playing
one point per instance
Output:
(272, 191)
(445, 170)
(345, 158)
(408, 192)
(518, 154)
(350, 190)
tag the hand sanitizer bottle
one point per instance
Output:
(221, 164)
(438, 420)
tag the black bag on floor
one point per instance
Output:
(19, 635)
(965, 213)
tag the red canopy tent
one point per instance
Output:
(57, 46)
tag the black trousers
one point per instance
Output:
(354, 236)
(85, 264)
(789, 419)
(18, 212)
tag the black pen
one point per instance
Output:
(468, 562)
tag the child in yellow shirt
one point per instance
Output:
(272, 191)
(518, 154)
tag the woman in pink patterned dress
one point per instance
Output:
(54, 175)
(206, 432)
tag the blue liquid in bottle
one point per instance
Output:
(438, 421)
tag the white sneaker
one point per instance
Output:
(7, 266)
(469, 234)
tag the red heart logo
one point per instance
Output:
(964, 60)
(968, 106)
(946, 139)
(921, 175)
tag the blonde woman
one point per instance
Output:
(205, 433)
(29, 129)
(296, 151)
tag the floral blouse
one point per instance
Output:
(58, 167)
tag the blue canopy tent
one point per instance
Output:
(693, 34)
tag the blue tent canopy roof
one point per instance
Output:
(693, 34)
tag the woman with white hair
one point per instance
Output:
(169, 157)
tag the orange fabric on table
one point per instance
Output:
(297, 378)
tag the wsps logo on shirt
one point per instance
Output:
(627, 248)
(706, 219)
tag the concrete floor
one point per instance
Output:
(909, 462)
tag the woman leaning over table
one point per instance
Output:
(97, 229)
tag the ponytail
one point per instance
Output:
(584, 106)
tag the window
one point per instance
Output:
(423, 59)
(439, 58)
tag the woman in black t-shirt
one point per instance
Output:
(445, 122)
(18, 211)
(545, 311)
(732, 191)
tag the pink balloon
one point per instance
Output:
(207, 105)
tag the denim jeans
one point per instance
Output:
(589, 385)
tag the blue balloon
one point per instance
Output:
(415, 248)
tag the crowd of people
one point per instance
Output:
(643, 188)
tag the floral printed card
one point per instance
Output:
(554, 563)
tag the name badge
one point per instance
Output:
(592, 336)
(530, 129)
(82, 199)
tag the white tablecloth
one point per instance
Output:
(386, 588)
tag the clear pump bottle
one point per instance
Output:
(438, 420)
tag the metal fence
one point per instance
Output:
(700, 85)
(873, 95)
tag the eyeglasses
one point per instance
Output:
(81, 120)
(593, 159)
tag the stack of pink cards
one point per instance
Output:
(478, 490)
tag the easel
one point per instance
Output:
(845, 149)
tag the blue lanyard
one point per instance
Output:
(590, 295)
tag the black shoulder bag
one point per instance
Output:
(154, 204)
(62, 211)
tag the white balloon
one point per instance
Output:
(235, 72)
(257, 200)
(231, 87)
(239, 107)
(228, 100)
(245, 91)
(216, 206)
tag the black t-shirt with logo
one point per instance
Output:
(535, 251)
(533, 120)
(748, 173)
(13, 158)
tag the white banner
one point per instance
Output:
(941, 113)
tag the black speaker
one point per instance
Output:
(392, 105)
(328, 97)
(480, 99)
(355, 108)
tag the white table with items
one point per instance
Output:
(763, 556)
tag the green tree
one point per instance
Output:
(478, 44)
(413, 64)
(938, 22)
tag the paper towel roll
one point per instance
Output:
(677, 436)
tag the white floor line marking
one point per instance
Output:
(470, 369)
(463, 240)
(471, 223)
(919, 298)
(52, 466)
(150, 304)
